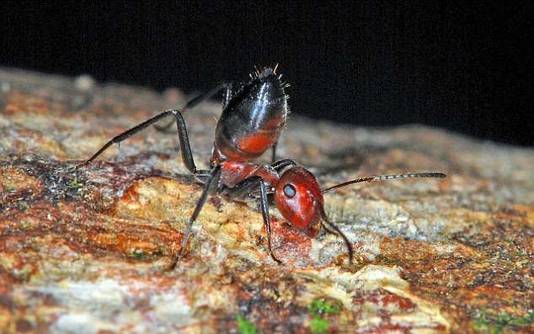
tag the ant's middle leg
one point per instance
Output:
(210, 186)
(227, 86)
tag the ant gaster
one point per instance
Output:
(253, 117)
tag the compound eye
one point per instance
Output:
(290, 191)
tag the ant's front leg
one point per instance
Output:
(333, 229)
(264, 204)
(246, 187)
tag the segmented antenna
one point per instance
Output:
(384, 178)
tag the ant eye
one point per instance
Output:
(289, 190)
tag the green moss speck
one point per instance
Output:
(319, 325)
(138, 254)
(74, 184)
(10, 189)
(244, 326)
(494, 324)
(322, 306)
(319, 307)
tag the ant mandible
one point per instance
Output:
(253, 117)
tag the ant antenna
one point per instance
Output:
(332, 228)
(384, 178)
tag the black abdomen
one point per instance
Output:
(253, 119)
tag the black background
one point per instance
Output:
(465, 67)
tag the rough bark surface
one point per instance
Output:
(86, 250)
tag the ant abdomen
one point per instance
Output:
(251, 123)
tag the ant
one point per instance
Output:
(252, 119)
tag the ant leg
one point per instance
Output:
(266, 218)
(185, 146)
(211, 184)
(202, 97)
(187, 155)
(128, 133)
(243, 187)
(281, 164)
(329, 226)
(273, 153)
(227, 94)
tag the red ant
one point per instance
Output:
(252, 119)
(297, 194)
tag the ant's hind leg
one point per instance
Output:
(273, 153)
(187, 155)
(227, 86)
(117, 139)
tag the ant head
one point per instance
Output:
(299, 199)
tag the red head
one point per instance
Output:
(299, 199)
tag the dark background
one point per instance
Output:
(465, 67)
